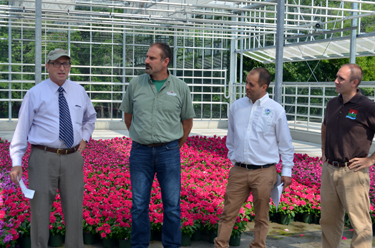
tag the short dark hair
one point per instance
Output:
(355, 72)
(264, 75)
(166, 51)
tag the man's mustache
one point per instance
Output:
(148, 66)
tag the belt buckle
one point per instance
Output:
(337, 164)
(62, 153)
(247, 167)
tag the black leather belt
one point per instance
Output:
(154, 145)
(254, 167)
(58, 151)
(338, 164)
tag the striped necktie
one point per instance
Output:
(66, 128)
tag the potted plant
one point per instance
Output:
(88, 230)
(187, 230)
(238, 228)
(198, 228)
(24, 230)
(122, 232)
(105, 231)
(212, 226)
(56, 227)
(286, 213)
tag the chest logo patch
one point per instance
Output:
(267, 111)
(171, 93)
(352, 114)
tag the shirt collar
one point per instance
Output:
(261, 100)
(150, 79)
(54, 87)
(354, 99)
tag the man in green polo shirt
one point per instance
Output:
(159, 116)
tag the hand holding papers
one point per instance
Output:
(277, 191)
(28, 193)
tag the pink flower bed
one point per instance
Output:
(107, 196)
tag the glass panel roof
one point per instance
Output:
(321, 49)
(313, 29)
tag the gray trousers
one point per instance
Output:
(48, 172)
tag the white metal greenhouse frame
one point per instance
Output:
(207, 38)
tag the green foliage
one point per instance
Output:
(324, 70)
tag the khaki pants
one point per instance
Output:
(240, 183)
(48, 172)
(345, 190)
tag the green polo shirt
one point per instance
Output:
(157, 116)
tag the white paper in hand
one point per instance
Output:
(277, 191)
(28, 193)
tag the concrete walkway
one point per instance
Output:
(295, 235)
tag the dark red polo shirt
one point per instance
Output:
(349, 128)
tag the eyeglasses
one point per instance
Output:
(58, 64)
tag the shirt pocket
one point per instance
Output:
(264, 123)
(171, 104)
(78, 114)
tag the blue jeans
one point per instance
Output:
(144, 162)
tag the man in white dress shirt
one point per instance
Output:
(258, 134)
(57, 118)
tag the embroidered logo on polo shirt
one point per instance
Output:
(267, 111)
(352, 114)
(171, 93)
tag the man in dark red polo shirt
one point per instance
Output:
(347, 133)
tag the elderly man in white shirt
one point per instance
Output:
(258, 134)
(57, 118)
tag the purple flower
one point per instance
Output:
(8, 238)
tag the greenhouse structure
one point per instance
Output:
(108, 41)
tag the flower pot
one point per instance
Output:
(235, 240)
(55, 240)
(25, 242)
(109, 243)
(124, 244)
(185, 239)
(307, 218)
(273, 217)
(211, 236)
(197, 236)
(316, 219)
(285, 219)
(297, 217)
(155, 235)
(88, 238)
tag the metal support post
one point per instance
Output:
(38, 41)
(279, 51)
(353, 42)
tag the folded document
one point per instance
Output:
(28, 193)
(277, 191)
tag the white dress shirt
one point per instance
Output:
(258, 134)
(38, 118)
